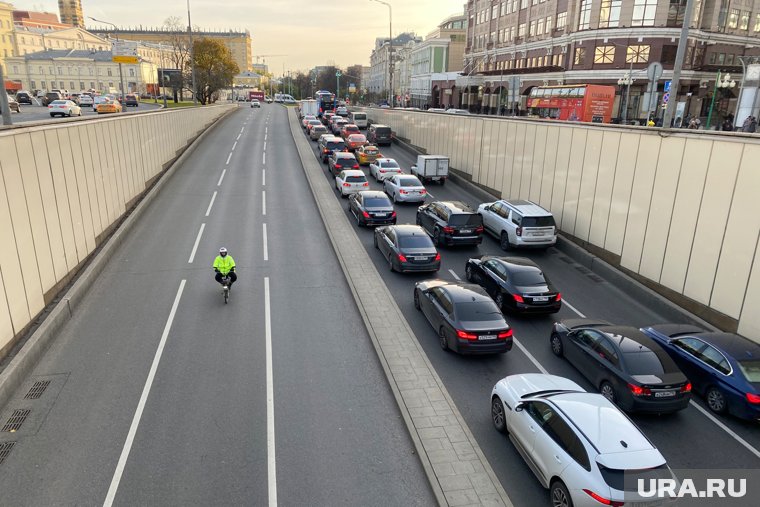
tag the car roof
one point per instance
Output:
(462, 292)
(353, 172)
(343, 154)
(408, 230)
(378, 125)
(733, 344)
(457, 206)
(513, 263)
(629, 339)
(355, 136)
(374, 194)
(527, 208)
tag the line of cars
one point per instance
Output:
(580, 445)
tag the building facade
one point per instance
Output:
(238, 42)
(71, 12)
(28, 40)
(33, 19)
(554, 42)
(6, 32)
(379, 77)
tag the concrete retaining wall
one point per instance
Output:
(62, 190)
(678, 210)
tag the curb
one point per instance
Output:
(457, 470)
(26, 358)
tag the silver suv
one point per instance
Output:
(518, 223)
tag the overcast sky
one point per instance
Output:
(297, 28)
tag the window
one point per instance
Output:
(637, 54)
(15, 69)
(504, 7)
(757, 22)
(721, 58)
(521, 30)
(712, 357)
(523, 4)
(744, 20)
(580, 56)
(733, 18)
(559, 431)
(92, 84)
(562, 20)
(42, 84)
(34, 85)
(494, 12)
(606, 351)
(604, 54)
(585, 15)
(532, 28)
(609, 13)
(540, 27)
(730, 59)
(72, 85)
(110, 71)
(668, 54)
(643, 12)
(676, 12)
(81, 85)
(42, 70)
(548, 24)
(60, 71)
(713, 58)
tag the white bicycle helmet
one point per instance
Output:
(222, 251)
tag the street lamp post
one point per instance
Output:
(626, 81)
(720, 82)
(121, 70)
(390, 50)
(192, 54)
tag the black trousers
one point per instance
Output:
(231, 274)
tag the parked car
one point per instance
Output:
(464, 317)
(86, 99)
(23, 97)
(384, 168)
(256, 103)
(340, 160)
(519, 223)
(349, 181)
(367, 154)
(13, 105)
(317, 131)
(379, 135)
(723, 367)
(329, 145)
(355, 141)
(404, 188)
(349, 129)
(64, 108)
(371, 207)
(629, 368)
(578, 444)
(516, 284)
(451, 223)
(407, 248)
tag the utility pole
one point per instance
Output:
(192, 53)
(4, 105)
(390, 51)
(680, 52)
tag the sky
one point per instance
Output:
(309, 32)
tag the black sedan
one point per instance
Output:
(371, 207)
(629, 368)
(451, 223)
(407, 248)
(516, 284)
(464, 316)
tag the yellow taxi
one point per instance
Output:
(367, 154)
(108, 106)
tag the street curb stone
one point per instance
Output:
(457, 469)
(26, 359)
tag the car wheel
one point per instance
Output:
(391, 268)
(374, 241)
(716, 401)
(442, 341)
(497, 415)
(437, 237)
(500, 300)
(504, 241)
(556, 342)
(559, 494)
(394, 198)
(606, 390)
(417, 300)
(358, 220)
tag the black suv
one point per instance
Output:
(451, 223)
(379, 135)
(340, 161)
(330, 144)
(50, 97)
(23, 98)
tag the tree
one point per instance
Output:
(214, 68)
(176, 37)
(326, 79)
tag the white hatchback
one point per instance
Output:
(384, 168)
(351, 181)
(578, 444)
(404, 188)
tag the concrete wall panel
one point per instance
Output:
(539, 159)
(564, 146)
(62, 198)
(6, 325)
(605, 180)
(589, 179)
(90, 177)
(82, 187)
(573, 182)
(513, 190)
(621, 192)
(526, 178)
(749, 322)
(72, 191)
(550, 161)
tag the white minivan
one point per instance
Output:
(359, 119)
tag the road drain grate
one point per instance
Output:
(37, 389)
(5, 450)
(16, 420)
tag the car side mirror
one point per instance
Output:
(520, 407)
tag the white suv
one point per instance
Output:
(579, 445)
(519, 223)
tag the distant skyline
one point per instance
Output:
(297, 28)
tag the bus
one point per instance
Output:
(580, 102)
(326, 101)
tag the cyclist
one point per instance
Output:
(224, 265)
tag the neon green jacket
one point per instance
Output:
(224, 264)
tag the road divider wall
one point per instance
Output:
(64, 188)
(676, 209)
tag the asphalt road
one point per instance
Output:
(40, 113)
(161, 394)
(689, 439)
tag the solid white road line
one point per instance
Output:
(431, 195)
(213, 197)
(271, 457)
(725, 428)
(264, 243)
(263, 177)
(234, 145)
(530, 356)
(228, 158)
(264, 202)
(264, 158)
(197, 241)
(224, 171)
(113, 488)
(456, 276)
(573, 308)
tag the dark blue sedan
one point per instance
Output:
(722, 367)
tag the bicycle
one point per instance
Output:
(226, 288)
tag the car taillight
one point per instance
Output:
(338, 166)
(50, 107)
(518, 298)
(753, 398)
(437, 256)
(687, 389)
(404, 192)
(365, 214)
(505, 334)
(639, 391)
(393, 215)
(559, 296)
(423, 191)
(479, 229)
(383, 171)
(465, 335)
(519, 231)
(347, 184)
(325, 151)
(355, 166)
(365, 184)
(448, 230)
(602, 500)
(401, 258)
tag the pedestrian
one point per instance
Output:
(694, 123)
(752, 124)
(727, 126)
(650, 123)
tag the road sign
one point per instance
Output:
(351, 87)
(667, 86)
(338, 74)
(654, 71)
(665, 97)
(125, 52)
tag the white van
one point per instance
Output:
(358, 119)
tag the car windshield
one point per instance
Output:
(644, 362)
(415, 242)
(376, 202)
(355, 179)
(315, 122)
(59, 102)
(478, 311)
(538, 221)
(409, 182)
(388, 164)
(335, 145)
(627, 480)
(346, 159)
(472, 219)
(750, 369)
(527, 278)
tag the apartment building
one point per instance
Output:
(379, 78)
